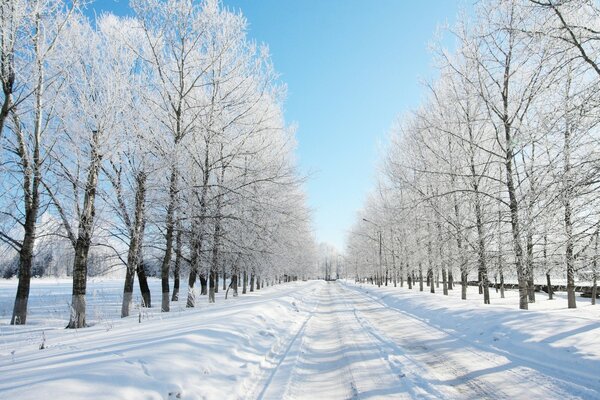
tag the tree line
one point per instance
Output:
(494, 176)
(153, 138)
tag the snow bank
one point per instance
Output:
(215, 352)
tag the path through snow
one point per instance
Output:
(355, 346)
(314, 340)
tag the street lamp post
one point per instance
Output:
(380, 245)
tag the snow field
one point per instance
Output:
(300, 340)
(212, 352)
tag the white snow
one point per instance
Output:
(302, 340)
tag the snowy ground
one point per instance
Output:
(304, 340)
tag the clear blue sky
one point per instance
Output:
(351, 66)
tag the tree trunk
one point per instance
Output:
(136, 234)
(258, 283)
(479, 282)
(252, 282)
(170, 225)
(444, 282)
(19, 316)
(78, 306)
(594, 271)
(84, 240)
(570, 261)
(514, 205)
(482, 268)
(420, 278)
(549, 283)
(31, 178)
(216, 282)
(143, 282)
(177, 269)
(212, 284)
(245, 283)
(7, 89)
(203, 285)
(432, 283)
(530, 282)
(594, 289)
(464, 276)
(128, 290)
(191, 297)
(234, 283)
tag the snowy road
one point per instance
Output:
(353, 346)
(303, 340)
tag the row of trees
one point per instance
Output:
(155, 138)
(497, 171)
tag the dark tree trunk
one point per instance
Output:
(444, 282)
(170, 225)
(84, 240)
(214, 267)
(234, 283)
(203, 285)
(549, 283)
(31, 199)
(464, 276)
(212, 284)
(141, 272)
(252, 282)
(431, 281)
(143, 282)
(258, 283)
(450, 280)
(198, 232)
(530, 282)
(420, 278)
(245, 283)
(177, 269)
(136, 232)
(19, 316)
(216, 282)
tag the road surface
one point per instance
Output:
(352, 346)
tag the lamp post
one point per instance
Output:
(379, 237)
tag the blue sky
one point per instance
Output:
(351, 68)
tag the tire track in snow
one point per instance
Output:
(316, 359)
(407, 371)
(278, 354)
(413, 370)
(329, 332)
